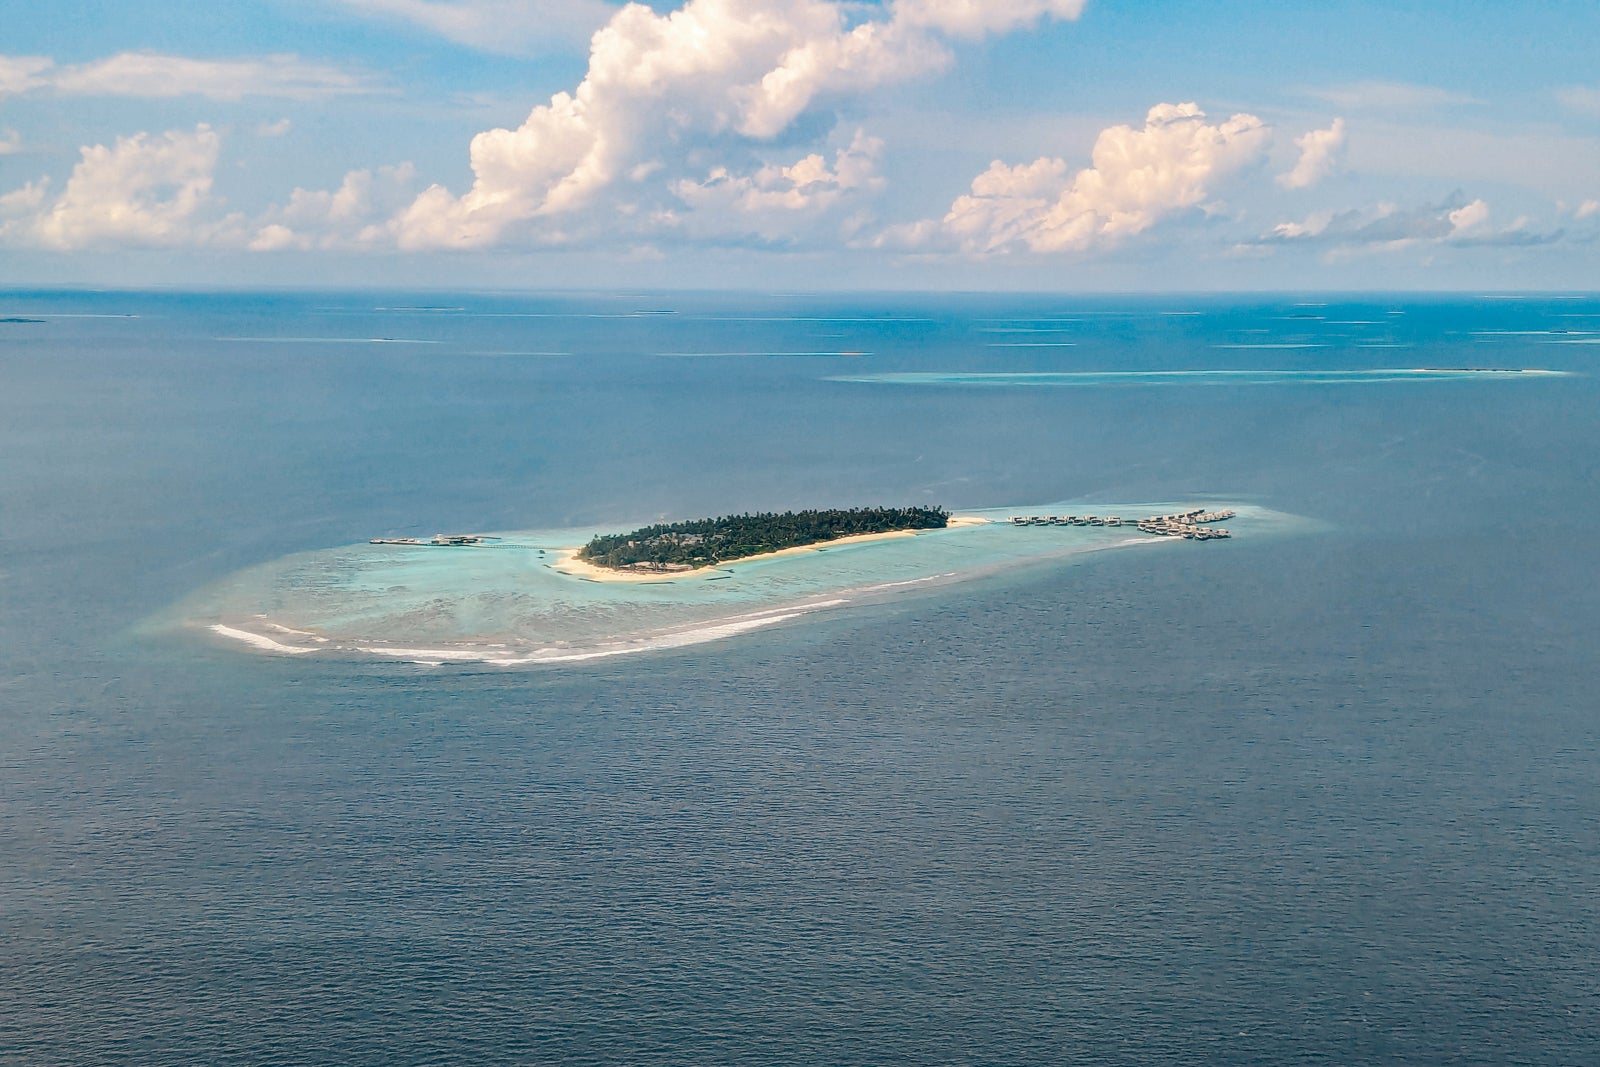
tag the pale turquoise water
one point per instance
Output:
(506, 602)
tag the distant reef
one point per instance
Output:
(680, 546)
(15, 318)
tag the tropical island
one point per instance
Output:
(684, 546)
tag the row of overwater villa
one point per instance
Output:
(1185, 524)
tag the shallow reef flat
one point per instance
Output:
(1087, 379)
(506, 601)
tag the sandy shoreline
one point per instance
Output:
(567, 562)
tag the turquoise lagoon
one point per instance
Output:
(505, 603)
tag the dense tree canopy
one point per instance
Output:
(703, 542)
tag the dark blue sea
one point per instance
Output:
(1330, 797)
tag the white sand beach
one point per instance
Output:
(567, 562)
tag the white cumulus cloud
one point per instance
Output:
(1467, 217)
(778, 201)
(660, 86)
(1319, 155)
(353, 215)
(144, 190)
(1138, 177)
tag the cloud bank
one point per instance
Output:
(658, 85)
(1389, 227)
(721, 123)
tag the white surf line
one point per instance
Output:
(266, 644)
(677, 640)
(881, 586)
(431, 655)
(698, 355)
(282, 629)
(728, 626)
(797, 318)
(330, 340)
(503, 314)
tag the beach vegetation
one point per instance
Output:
(708, 542)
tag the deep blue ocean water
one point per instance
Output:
(1328, 798)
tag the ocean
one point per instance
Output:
(1324, 792)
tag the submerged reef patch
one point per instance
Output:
(1197, 377)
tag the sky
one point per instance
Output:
(1035, 145)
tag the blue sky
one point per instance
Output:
(973, 144)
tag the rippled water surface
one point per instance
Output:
(1327, 793)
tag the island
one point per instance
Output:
(670, 548)
(514, 598)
